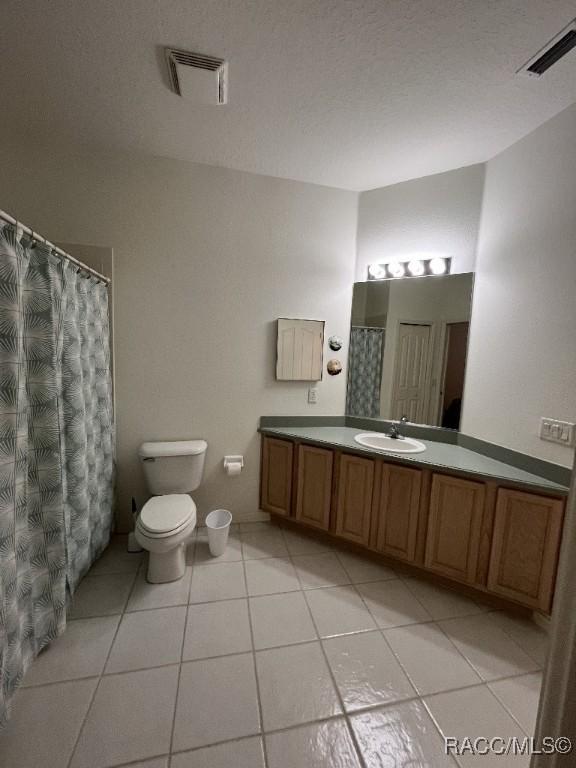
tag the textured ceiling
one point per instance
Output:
(351, 93)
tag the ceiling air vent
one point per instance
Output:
(555, 50)
(198, 78)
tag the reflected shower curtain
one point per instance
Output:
(56, 445)
(365, 372)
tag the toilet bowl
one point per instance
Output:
(167, 520)
(164, 527)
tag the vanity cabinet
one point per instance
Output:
(479, 533)
(396, 511)
(314, 486)
(454, 527)
(276, 476)
(526, 543)
(354, 499)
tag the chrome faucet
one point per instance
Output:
(396, 430)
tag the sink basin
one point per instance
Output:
(380, 442)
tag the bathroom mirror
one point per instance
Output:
(408, 346)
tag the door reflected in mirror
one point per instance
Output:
(408, 347)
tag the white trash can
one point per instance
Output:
(218, 525)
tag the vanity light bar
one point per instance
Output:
(439, 265)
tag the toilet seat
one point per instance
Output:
(166, 515)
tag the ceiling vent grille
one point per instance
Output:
(195, 76)
(555, 50)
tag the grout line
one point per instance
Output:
(373, 630)
(182, 645)
(351, 731)
(93, 698)
(257, 679)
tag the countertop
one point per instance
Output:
(437, 455)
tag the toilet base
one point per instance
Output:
(166, 566)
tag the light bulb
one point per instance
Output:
(438, 266)
(396, 269)
(377, 271)
(416, 268)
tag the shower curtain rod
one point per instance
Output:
(35, 236)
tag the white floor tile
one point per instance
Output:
(366, 671)
(321, 570)
(442, 603)
(430, 659)
(473, 713)
(232, 553)
(302, 543)
(263, 544)
(281, 620)
(80, 652)
(217, 701)
(246, 753)
(400, 736)
(322, 745)
(259, 525)
(130, 719)
(44, 725)
(491, 651)
(362, 569)
(295, 686)
(527, 634)
(520, 696)
(222, 581)
(392, 604)
(156, 762)
(270, 576)
(148, 639)
(117, 559)
(147, 595)
(101, 595)
(217, 629)
(339, 610)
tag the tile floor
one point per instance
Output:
(284, 653)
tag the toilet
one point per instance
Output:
(167, 520)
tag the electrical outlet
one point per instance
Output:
(554, 431)
(313, 395)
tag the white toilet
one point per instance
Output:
(167, 520)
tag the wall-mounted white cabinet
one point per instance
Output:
(299, 350)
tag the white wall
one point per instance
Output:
(434, 215)
(206, 259)
(522, 353)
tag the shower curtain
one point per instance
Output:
(364, 371)
(56, 445)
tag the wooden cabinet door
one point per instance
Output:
(354, 507)
(525, 546)
(396, 511)
(455, 527)
(314, 491)
(276, 476)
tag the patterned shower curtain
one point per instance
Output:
(56, 445)
(365, 372)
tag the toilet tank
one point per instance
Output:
(173, 467)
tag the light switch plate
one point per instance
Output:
(313, 395)
(554, 431)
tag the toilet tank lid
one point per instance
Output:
(153, 450)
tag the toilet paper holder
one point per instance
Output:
(232, 461)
